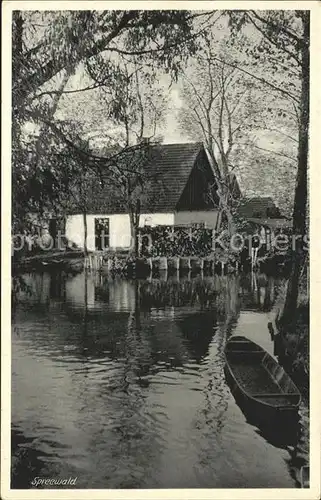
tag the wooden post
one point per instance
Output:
(163, 275)
(139, 249)
(196, 264)
(155, 264)
(173, 263)
(185, 263)
(150, 263)
(175, 277)
(213, 239)
(163, 263)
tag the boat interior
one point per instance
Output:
(258, 372)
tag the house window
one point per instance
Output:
(101, 233)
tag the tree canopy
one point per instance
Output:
(54, 53)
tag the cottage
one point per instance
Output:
(182, 191)
(263, 215)
(261, 209)
(265, 220)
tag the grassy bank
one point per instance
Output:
(293, 347)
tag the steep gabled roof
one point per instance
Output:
(259, 207)
(168, 171)
(171, 167)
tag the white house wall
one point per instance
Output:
(119, 228)
(75, 229)
(196, 217)
(156, 220)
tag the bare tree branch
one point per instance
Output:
(294, 160)
(262, 80)
(55, 92)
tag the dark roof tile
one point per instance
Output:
(259, 207)
(168, 170)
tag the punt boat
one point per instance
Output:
(259, 382)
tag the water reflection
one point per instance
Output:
(121, 383)
(259, 291)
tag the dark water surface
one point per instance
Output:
(121, 384)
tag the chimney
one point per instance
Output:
(145, 141)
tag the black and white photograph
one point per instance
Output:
(159, 252)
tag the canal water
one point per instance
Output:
(120, 384)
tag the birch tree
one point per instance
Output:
(220, 107)
(285, 36)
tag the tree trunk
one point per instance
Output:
(230, 221)
(133, 232)
(225, 208)
(86, 302)
(85, 232)
(223, 191)
(134, 216)
(287, 320)
(219, 218)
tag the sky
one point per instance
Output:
(171, 130)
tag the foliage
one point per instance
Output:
(288, 33)
(50, 52)
(247, 124)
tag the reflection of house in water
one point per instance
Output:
(152, 322)
(38, 288)
(122, 295)
(199, 306)
(162, 334)
(80, 291)
(97, 292)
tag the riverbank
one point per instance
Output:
(292, 349)
(48, 259)
(125, 262)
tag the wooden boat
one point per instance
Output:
(259, 382)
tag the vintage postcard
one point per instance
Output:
(160, 177)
